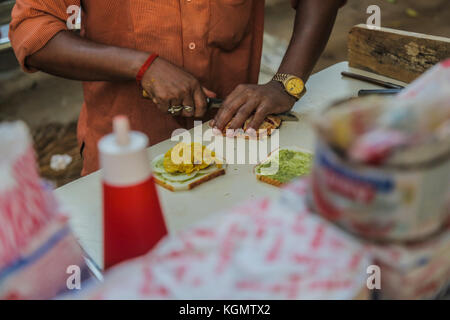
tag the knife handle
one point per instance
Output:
(210, 101)
(378, 92)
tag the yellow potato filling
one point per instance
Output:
(188, 158)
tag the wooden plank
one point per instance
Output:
(396, 54)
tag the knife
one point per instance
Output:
(215, 103)
(380, 83)
(379, 92)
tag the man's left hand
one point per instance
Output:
(246, 100)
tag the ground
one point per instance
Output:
(51, 105)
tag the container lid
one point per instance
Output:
(123, 155)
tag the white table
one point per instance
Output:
(82, 199)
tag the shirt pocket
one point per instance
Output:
(229, 22)
(157, 27)
(108, 22)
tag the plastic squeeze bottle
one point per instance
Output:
(132, 218)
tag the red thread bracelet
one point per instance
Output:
(145, 67)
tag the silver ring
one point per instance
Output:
(175, 110)
(188, 108)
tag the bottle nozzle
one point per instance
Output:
(121, 128)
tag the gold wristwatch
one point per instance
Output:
(293, 85)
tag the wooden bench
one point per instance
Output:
(395, 54)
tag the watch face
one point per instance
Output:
(295, 86)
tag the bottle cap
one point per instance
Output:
(121, 128)
(123, 155)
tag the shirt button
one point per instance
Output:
(192, 45)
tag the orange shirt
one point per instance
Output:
(219, 42)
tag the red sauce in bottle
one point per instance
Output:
(132, 215)
(133, 221)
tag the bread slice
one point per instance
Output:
(270, 124)
(190, 184)
(184, 181)
(268, 179)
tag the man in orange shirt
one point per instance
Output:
(179, 51)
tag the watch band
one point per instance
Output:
(281, 77)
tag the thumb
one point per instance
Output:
(209, 93)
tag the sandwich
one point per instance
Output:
(186, 166)
(270, 124)
(284, 165)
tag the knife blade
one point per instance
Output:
(380, 83)
(215, 103)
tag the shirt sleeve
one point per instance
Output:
(36, 22)
(294, 3)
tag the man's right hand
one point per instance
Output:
(70, 56)
(168, 85)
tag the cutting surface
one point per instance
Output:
(82, 199)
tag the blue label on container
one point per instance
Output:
(381, 184)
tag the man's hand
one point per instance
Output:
(71, 56)
(246, 100)
(169, 85)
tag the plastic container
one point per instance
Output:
(381, 203)
(133, 219)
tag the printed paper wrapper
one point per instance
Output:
(433, 83)
(36, 244)
(408, 271)
(377, 203)
(260, 250)
(415, 271)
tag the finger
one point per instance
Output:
(209, 93)
(228, 110)
(175, 102)
(258, 118)
(162, 105)
(161, 99)
(150, 97)
(243, 114)
(200, 102)
(234, 97)
(188, 101)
